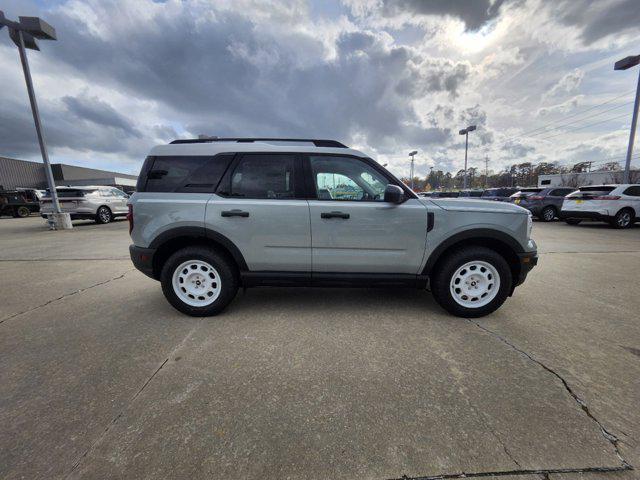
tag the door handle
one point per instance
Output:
(234, 213)
(334, 215)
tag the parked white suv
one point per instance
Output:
(99, 203)
(619, 205)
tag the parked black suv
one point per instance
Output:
(544, 203)
(19, 204)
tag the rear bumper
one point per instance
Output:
(142, 259)
(584, 214)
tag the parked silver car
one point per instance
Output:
(98, 203)
(211, 215)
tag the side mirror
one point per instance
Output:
(393, 194)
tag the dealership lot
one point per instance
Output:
(101, 378)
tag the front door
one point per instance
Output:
(258, 208)
(353, 230)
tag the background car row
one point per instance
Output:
(618, 205)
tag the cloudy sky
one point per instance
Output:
(384, 76)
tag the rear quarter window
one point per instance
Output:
(187, 174)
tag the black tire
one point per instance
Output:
(572, 221)
(228, 280)
(623, 219)
(104, 215)
(548, 214)
(446, 269)
(23, 212)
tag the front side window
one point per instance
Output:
(267, 176)
(347, 179)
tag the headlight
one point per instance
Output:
(529, 225)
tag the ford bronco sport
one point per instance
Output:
(212, 215)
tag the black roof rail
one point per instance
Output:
(315, 141)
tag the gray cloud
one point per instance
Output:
(224, 77)
(597, 20)
(61, 130)
(94, 110)
(474, 13)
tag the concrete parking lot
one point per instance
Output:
(101, 378)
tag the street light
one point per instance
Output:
(465, 132)
(412, 155)
(24, 34)
(624, 64)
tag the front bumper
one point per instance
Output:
(142, 259)
(527, 260)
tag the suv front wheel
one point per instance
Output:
(472, 282)
(199, 281)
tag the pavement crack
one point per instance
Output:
(129, 403)
(66, 295)
(610, 437)
(543, 472)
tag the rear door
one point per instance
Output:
(260, 207)
(353, 229)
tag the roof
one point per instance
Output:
(224, 145)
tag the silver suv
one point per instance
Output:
(98, 203)
(212, 215)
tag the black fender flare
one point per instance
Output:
(472, 234)
(205, 234)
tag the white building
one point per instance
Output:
(586, 178)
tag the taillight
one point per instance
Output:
(535, 197)
(607, 197)
(130, 218)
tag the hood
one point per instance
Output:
(467, 205)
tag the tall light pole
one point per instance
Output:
(465, 132)
(624, 64)
(24, 34)
(412, 155)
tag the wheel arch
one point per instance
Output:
(172, 240)
(496, 240)
(628, 207)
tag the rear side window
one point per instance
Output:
(267, 176)
(589, 192)
(69, 193)
(633, 191)
(560, 192)
(187, 174)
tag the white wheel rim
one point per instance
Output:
(196, 283)
(548, 214)
(475, 284)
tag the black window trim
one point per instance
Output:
(223, 188)
(310, 185)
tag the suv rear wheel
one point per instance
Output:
(199, 281)
(104, 215)
(22, 212)
(623, 219)
(472, 282)
(548, 214)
